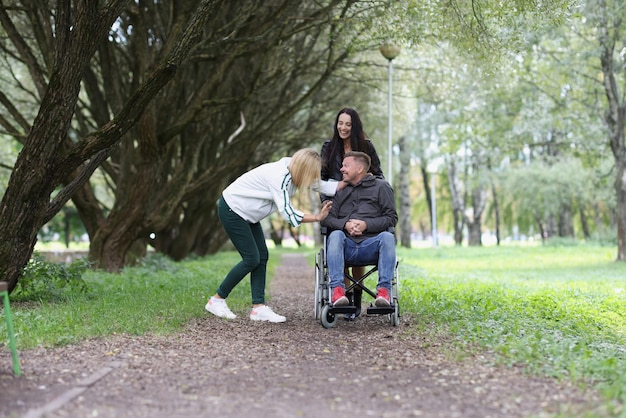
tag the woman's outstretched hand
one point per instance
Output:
(326, 206)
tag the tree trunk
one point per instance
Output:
(496, 205)
(295, 235)
(67, 216)
(405, 200)
(474, 225)
(542, 231)
(458, 227)
(479, 200)
(496, 211)
(566, 222)
(551, 226)
(40, 165)
(458, 205)
(277, 233)
(429, 197)
(474, 238)
(584, 223)
(43, 164)
(620, 192)
(615, 117)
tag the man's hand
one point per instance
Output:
(355, 227)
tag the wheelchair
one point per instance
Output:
(328, 314)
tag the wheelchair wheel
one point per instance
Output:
(318, 302)
(394, 317)
(328, 319)
(319, 272)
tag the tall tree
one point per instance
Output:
(607, 17)
(49, 155)
(403, 188)
(211, 66)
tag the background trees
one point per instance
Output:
(143, 118)
(552, 101)
(152, 95)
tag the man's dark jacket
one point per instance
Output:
(371, 200)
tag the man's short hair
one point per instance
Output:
(361, 157)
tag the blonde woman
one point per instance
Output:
(251, 198)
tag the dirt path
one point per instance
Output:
(240, 368)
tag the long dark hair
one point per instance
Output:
(357, 135)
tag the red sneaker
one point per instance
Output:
(339, 297)
(382, 298)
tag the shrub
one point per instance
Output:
(44, 280)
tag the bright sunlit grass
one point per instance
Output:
(558, 311)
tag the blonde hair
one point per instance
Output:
(305, 167)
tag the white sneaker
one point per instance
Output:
(219, 308)
(265, 313)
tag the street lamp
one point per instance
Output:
(433, 195)
(389, 51)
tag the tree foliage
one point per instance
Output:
(150, 94)
(153, 94)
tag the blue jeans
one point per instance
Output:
(379, 250)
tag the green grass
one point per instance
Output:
(557, 311)
(158, 297)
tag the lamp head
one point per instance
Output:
(389, 50)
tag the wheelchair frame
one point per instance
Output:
(327, 314)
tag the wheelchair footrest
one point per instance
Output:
(377, 310)
(349, 309)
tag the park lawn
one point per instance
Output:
(558, 311)
(158, 297)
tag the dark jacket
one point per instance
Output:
(331, 170)
(371, 200)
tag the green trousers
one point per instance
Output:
(249, 240)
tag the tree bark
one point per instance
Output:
(542, 232)
(199, 110)
(566, 222)
(458, 203)
(474, 225)
(615, 116)
(405, 201)
(496, 211)
(584, 222)
(42, 165)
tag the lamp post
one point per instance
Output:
(389, 50)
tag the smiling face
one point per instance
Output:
(351, 170)
(344, 126)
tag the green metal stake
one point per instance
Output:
(4, 289)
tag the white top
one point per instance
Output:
(267, 188)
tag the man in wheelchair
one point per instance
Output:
(359, 224)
